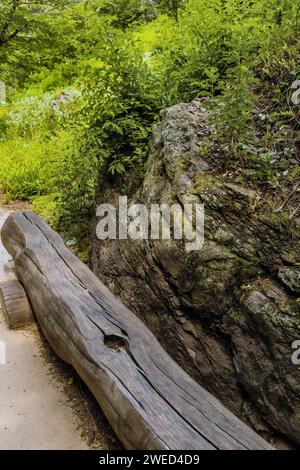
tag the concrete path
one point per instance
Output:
(34, 412)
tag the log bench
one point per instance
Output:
(149, 400)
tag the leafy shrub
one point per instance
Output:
(123, 12)
(233, 115)
(172, 7)
(122, 104)
(41, 160)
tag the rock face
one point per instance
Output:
(227, 313)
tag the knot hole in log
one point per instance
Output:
(115, 342)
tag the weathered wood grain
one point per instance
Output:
(149, 400)
(15, 306)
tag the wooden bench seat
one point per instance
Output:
(149, 400)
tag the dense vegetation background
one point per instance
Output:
(86, 81)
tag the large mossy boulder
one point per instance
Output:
(229, 312)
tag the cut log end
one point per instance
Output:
(15, 305)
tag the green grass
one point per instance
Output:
(21, 163)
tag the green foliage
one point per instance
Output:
(17, 19)
(74, 177)
(54, 43)
(124, 13)
(28, 32)
(84, 256)
(233, 116)
(48, 207)
(172, 7)
(20, 170)
(121, 106)
(42, 161)
(118, 63)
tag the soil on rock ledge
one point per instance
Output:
(227, 313)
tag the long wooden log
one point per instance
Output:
(149, 400)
